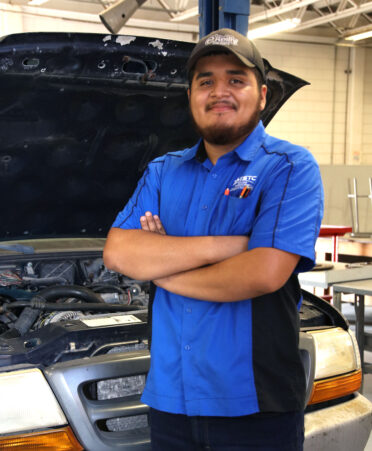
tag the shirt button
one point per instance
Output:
(214, 175)
(204, 207)
(187, 348)
(188, 310)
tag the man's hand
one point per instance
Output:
(150, 253)
(152, 223)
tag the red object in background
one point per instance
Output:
(334, 232)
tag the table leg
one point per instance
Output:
(337, 300)
(335, 248)
(359, 326)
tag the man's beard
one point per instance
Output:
(225, 134)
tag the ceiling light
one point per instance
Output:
(115, 17)
(37, 2)
(274, 28)
(358, 33)
(187, 14)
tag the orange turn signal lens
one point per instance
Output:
(336, 387)
(52, 440)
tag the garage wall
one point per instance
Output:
(367, 111)
(315, 116)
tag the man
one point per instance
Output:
(222, 229)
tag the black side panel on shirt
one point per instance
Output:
(278, 370)
(149, 315)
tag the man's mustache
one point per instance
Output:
(220, 102)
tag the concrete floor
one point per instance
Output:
(367, 392)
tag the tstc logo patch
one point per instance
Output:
(242, 182)
(221, 39)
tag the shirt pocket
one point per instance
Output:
(237, 216)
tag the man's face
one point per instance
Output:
(225, 100)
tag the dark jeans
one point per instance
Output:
(262, 432)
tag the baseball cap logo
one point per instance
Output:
(221, 39)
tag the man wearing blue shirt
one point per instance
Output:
(222, 229)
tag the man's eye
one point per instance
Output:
(205, 82)
(236, 81)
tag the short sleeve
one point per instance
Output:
(146, 197)
(291, 211)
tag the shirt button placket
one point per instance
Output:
(187, 323)
(214, 176)
(187, 354)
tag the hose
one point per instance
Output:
(34, 281)
(26, 319)
(68, 291)
(29, 315)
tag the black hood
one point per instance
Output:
(81, 115)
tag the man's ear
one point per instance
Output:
(263, 97)
(188, 93)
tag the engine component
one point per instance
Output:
(49, 273)
(9, 278)
(39, 292)
(55, 317)
(97, 273)
(37, 304)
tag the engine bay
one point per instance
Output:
(53, 310)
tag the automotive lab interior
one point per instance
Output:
(99, 103)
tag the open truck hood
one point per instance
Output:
(81, 115)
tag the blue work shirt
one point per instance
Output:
(233, 358)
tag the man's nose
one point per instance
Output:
(220, 89)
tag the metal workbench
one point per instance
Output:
(359, 289)
(338, 273)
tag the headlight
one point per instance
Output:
(335, 352)
(27, 402)
(337, 364)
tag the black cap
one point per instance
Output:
(231, 41)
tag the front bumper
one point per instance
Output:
(342, 427)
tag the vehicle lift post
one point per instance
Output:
(215, 14)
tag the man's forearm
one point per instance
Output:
(247, 275)
(146, 256)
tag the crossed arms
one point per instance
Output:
(210, 268)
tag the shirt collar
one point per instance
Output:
(245, 151)
(248, 148)
(192, 151)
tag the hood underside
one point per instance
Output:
(81, 115)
